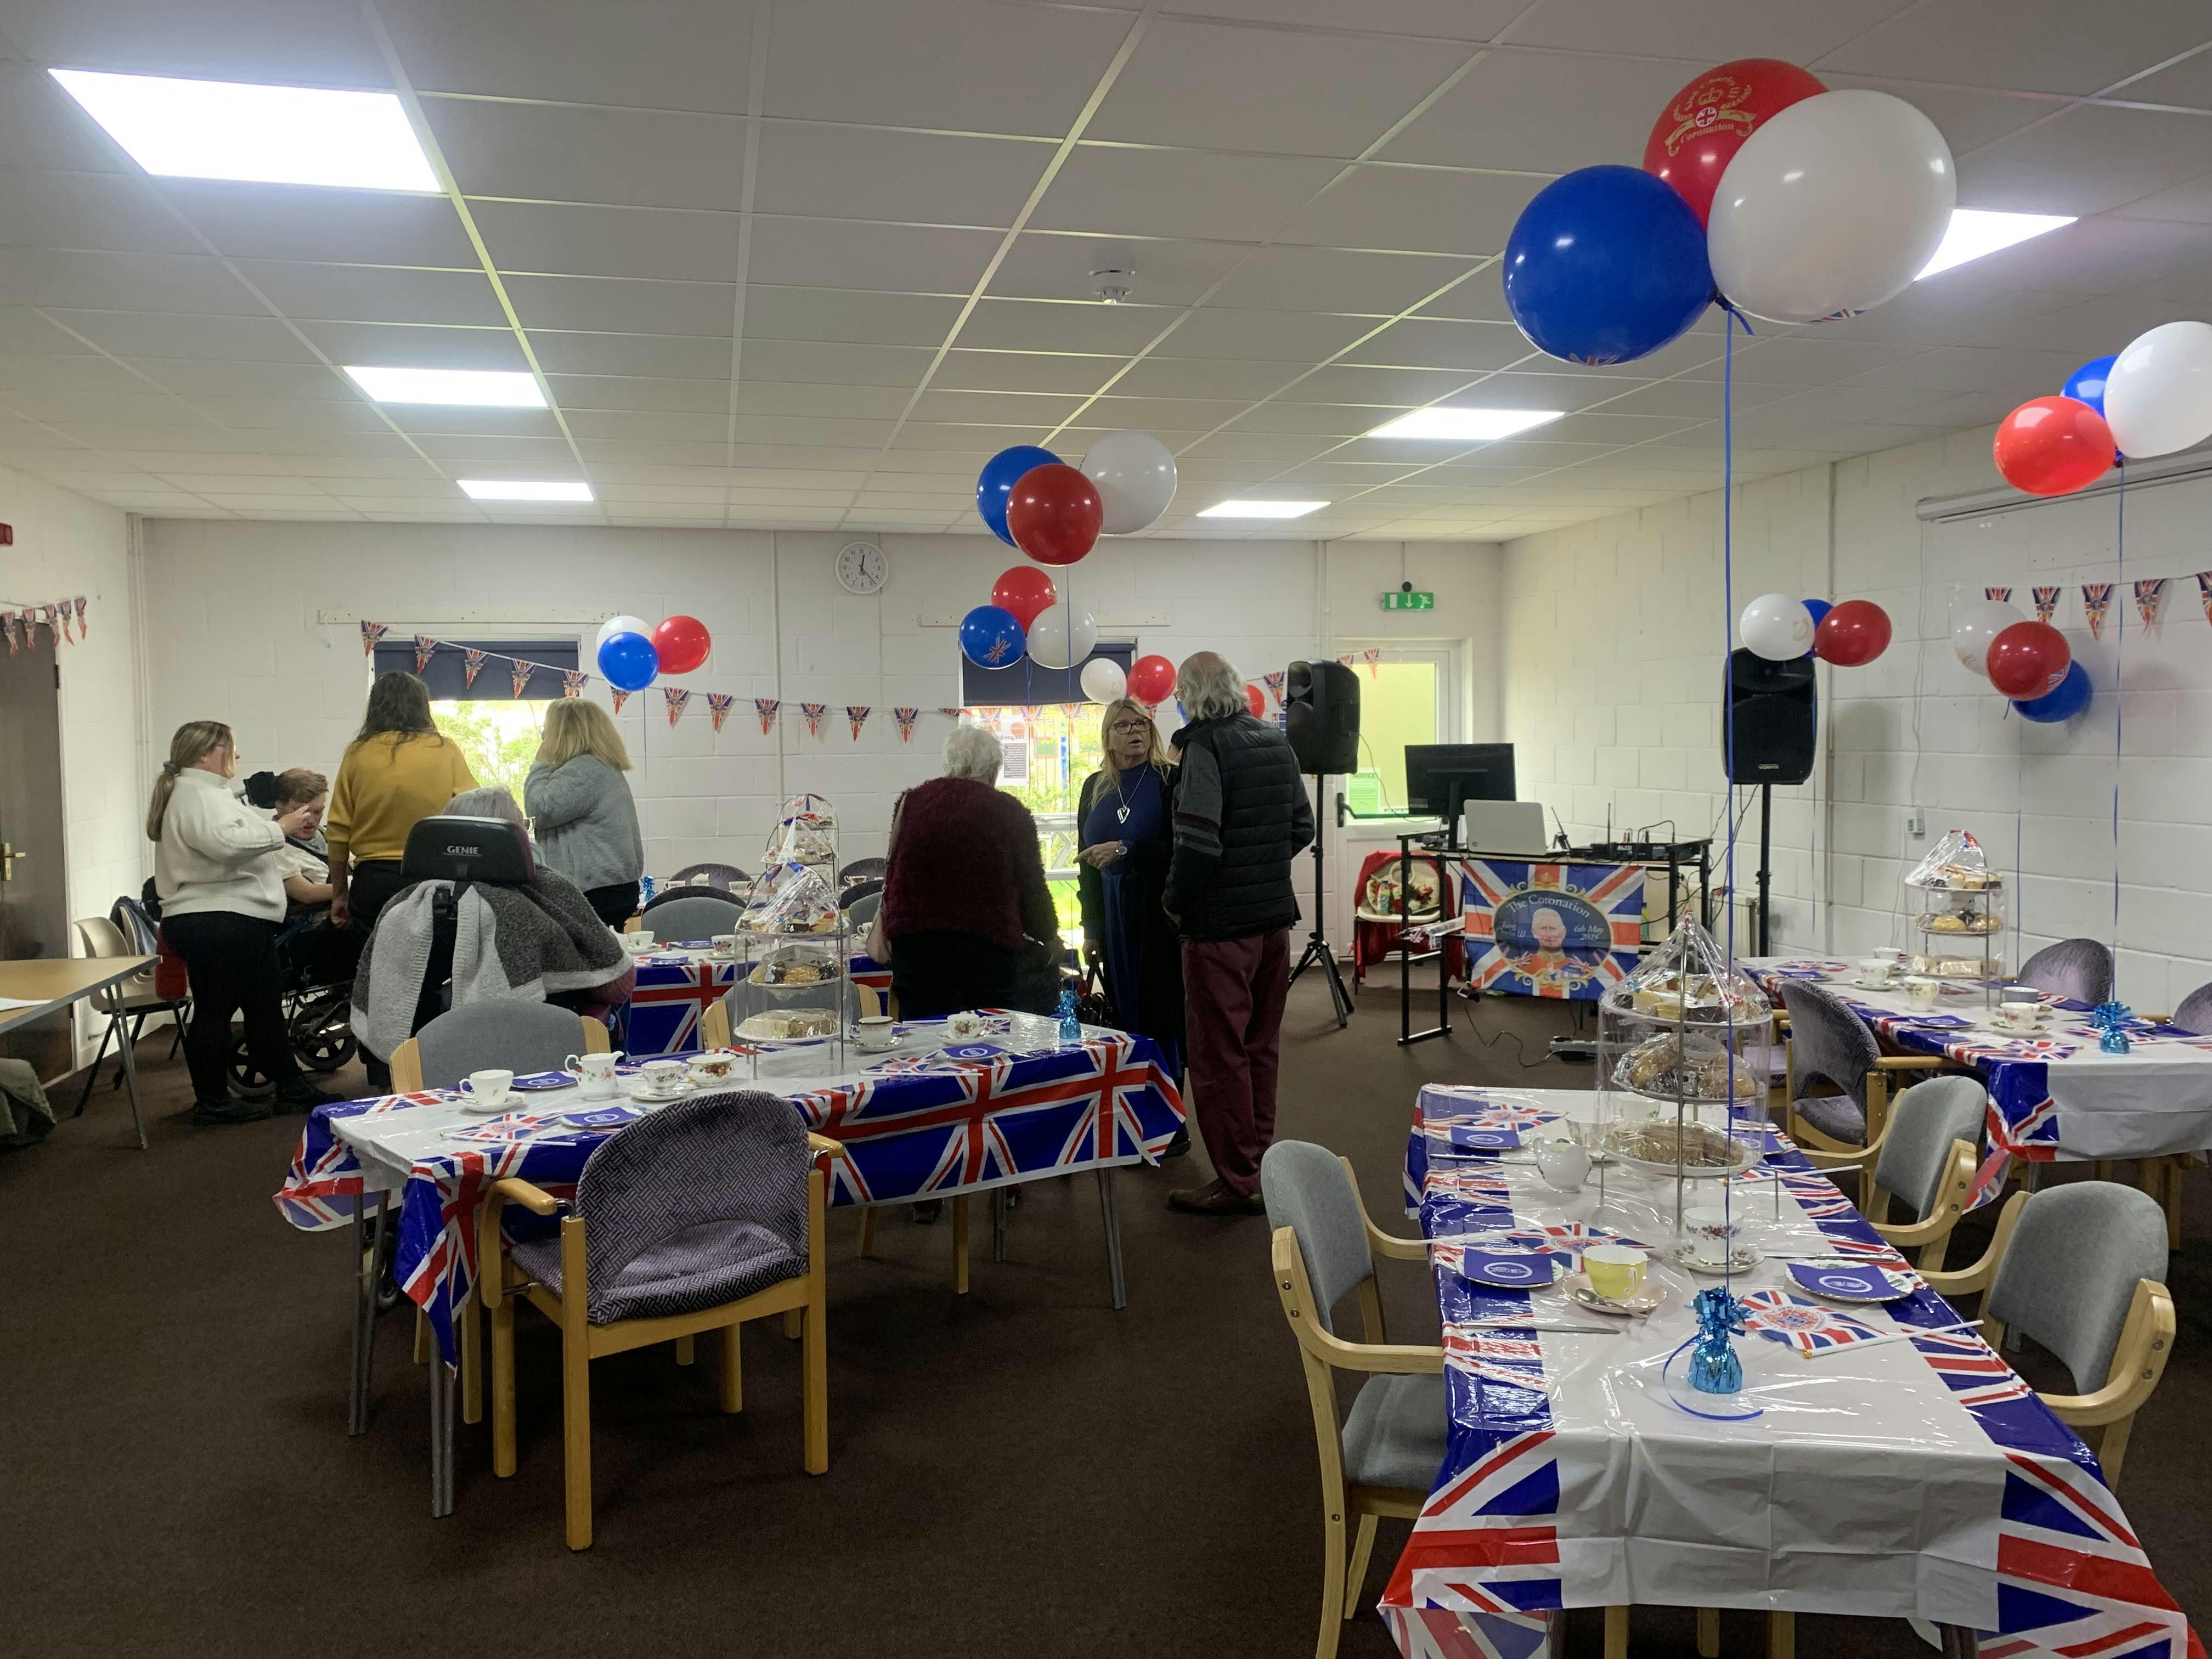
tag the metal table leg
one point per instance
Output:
(130, 1073)
(441, 1437)
(1959, 1641)
(364, 1308)
(1113, 1224)
(998, 1224)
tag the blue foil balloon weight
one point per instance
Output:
(2063, 701)
(2086, 384)
(1607, 266)
(628, 661)
(1714, 1368)
(997, 481)
(991, 638)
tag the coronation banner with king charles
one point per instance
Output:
(1552, 930)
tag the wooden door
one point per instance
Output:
(33, 890)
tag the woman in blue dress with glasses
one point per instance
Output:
(1125, 836)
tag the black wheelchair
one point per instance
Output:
(317, 963)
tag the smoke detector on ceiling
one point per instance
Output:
(1112, 285)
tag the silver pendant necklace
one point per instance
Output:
(1120, 812)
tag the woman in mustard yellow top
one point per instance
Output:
(399, 769)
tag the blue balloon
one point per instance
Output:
(1819, 608)
(2068, 698)
(627, 662)
(999, 475)
(990, 637)
(2086, 384)
(1605, 266)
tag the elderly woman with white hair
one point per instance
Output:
(966, 913)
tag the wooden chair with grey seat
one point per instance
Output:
(702, 1216)
(2080, 1269)
(1924, 1161)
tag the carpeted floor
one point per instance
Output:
(1019, 1471)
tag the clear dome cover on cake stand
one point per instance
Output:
(1956, 908)
(1682, 1050)
(790, 1006)
(805, 833)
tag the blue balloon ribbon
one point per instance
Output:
(1605, 266)
(997, 481)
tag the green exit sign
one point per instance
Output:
(1397, 599)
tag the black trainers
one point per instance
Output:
(211, 1113)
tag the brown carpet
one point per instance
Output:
(1019, 1471)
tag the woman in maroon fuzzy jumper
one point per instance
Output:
(965, 891)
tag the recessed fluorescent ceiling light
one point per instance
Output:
(520, 489)
(1475, 424)
(1975, 231)
(264, 135)
(1261, 509)
(489, 388)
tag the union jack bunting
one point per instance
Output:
(81, 627)
(2096, 600)
(1805, 1326)
(2002, 595)
(2150, 595)
(8, 626)
(905, 719)
(678, 699)
(1552, 930)
(1032, 713)
(812, 714)
(54, 621)
(572, 682)
(620, 697)
(857, 714)
(425, 649)
(717, 706)
(519, 673)
(1373, 656)
(953, 714)
(472, 662)
(61, 610)
(370, 634)
(1274, 684)
(2047, 602)
(29, 620)
(2204, 592)
(766, 708)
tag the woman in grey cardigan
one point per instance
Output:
(580, 806)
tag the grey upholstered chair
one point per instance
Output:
(726, 877)
(1385, 1457)
(1829, 1042)
(700, 913)
(2080, 1268)
(512, 1037)
(862, 911)
(866, 887)
(2195, 1013)
(2077, 967)
(699, 1217)
(1924, 1163)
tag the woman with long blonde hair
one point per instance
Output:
(1125, 836)
(221, 880)
(581, 805)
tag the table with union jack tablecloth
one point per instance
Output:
(2054, 1094)
(674, 988)
(1912, 1478)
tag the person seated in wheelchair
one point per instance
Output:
(317, 952)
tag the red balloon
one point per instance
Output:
(2053, 446)
(2028, 659)
(1256, 700)
(1025, 591)
(683, 643)
(1054, 513)
(1151, 680)
(1852, 634)
(1705, 124)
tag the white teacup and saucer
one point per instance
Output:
(487, 1091)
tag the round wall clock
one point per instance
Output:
(862, 569)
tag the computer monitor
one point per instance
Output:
(1440, 777)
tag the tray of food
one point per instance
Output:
(1669, 1067)
(1695, 1150)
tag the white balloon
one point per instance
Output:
(2158, 397)
(1051, 644)
(1974, 624)
(614, 625)
(1776, 626)
(1135, 477)
(1832, 206)
(1104, 680)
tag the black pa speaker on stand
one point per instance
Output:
(1321, 716)
(1770, 735)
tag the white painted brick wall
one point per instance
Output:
(1612, 633)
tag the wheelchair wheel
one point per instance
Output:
(248, 1079)
(322, 1030)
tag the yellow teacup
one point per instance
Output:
(1614, 1270)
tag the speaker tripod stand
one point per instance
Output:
(1317, 952)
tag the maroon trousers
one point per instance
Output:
(1233, 991)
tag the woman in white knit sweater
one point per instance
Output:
(221, 885)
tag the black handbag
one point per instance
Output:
(1092, 1006)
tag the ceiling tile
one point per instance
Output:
(1315, 420)
(1117, 413)
(1967, 119)
(851, 403)
(301, 42)
(1508, 113)
(1040, 326)
(1055, 265)
(618, 305)
(1446, 20)
(1165, 375)
(611, 241)
(1424, 343)
(1220, 85)
(1416, 209)
(669, 357)
(674, 397)
(835, 365)
(844, 316)
(1350, 383)
(45, 208)
(1269, 335)
(195, 377)
(375, 294)
(1021, 371)
(648, 427)
(2087, 159)
(844, 253)
(1713, 30)
(122, 281)
(298, 221)
(1990, 43)
(561, 153)
(856, 173)
(29, 372)
(394, 345)
(994, 408)
(1157, 192)
(1330, 279)
(653, 54)
(970, 68)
